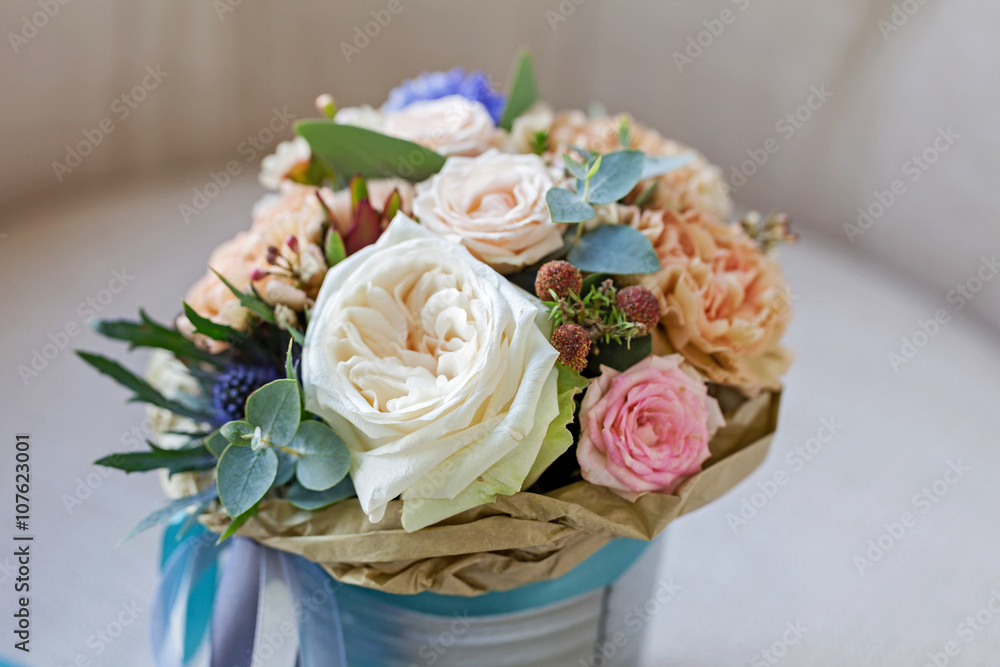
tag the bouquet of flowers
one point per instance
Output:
(465, 343)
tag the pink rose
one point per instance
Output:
(645, 429)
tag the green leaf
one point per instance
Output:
(620, 356)
(645, 195)
(558, 438)
(207, 327)
(523, 91)
(292, 375)
(170, 509)
(143, 391)
(356, 150)
(577, 169)
(657, 165)
(323, 457)
(147, 333)
(244, 476)
(567, 206)
(238, 522)
(276, 410)
(617, 175)
(236, 432)
(216, 443)
(614, 249)
(286, 468)
(623, 132)
(250, 301)
(335, 250)
(306, 499)
(359, 191)
(173, 460)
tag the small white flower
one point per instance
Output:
(363, 116)
(288, 156)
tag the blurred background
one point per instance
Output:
(871, 122)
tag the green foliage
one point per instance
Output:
(163, 514)
(305, 499)
(558, 438)
(275, 409)
(568, 206)
(346, 149)
(238, 522)
(207, 327)
(173, 460)
(540, 142)
(148, 333)
(523, 91)
(244, 475)
(616, 175)
(620, 355)
(142, 391)
(323, 457)
(596, 310)
(250, 300)
(614, 249)
(658, 165)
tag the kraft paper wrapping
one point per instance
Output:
(513, 541)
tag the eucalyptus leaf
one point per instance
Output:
(286, 468)
(577, 169)
(356, 150)
(216, 443)
(614, 249)
(236, 432)
(617, 175)
(244, 475)
(323, 457)
(567, 206)
(657, 165)
(306, 499)
(276, 410)
(523, 91)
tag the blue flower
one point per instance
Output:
(473, 86)
(234, 385)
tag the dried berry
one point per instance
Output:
(559, 277)
(639, 306)
(573, 343)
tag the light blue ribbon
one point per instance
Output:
(263, 592)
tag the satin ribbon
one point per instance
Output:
(269, 607)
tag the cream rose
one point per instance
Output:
(451, 125)
(435, 372)
(494, 205)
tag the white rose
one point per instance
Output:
(435, 372)
(494, 205)
(451, 125)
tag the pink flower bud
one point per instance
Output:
(258, 274)
(293, 243)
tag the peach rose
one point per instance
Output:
(645, 429)
(725, 303)
(699, 185)
(451, 125)
(494, 205)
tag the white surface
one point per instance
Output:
(792, 562)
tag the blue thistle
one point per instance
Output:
(473, 86)
(235, 384)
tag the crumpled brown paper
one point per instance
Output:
(513, 541)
